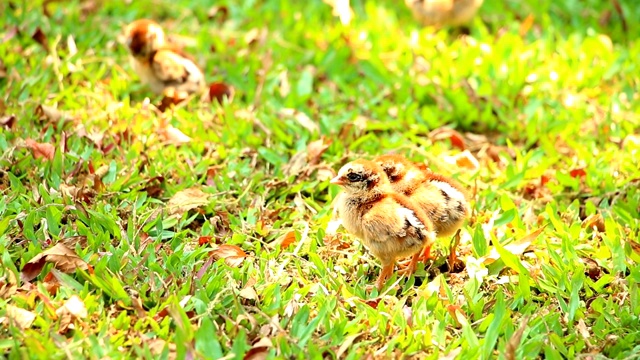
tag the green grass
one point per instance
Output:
(546, 100)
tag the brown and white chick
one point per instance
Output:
(444, 200)
(159, 64)
(389, 224)
(441, 13)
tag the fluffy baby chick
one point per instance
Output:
(441, 13)
(443, 200)
(159, 64)
(390, 225)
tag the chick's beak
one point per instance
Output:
(338, 180)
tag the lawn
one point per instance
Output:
(199, 232)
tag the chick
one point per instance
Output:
(444, 201)
(441, 13)
(390, 225)
(159, 64)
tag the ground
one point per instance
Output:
(199, 231)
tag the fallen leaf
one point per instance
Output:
(373, 302)
(8, 285)
(20, 317)
(74, 306)
(315, 149)
(526, 24)
(259, 350)
(219, 90)
(173, 136)
(170, 99)
(458, 316)
(39, 37)
(634, 246)
(204, 240)
(592, 269)
(457, 140)
(577, 173)
(303, 119)
(51, 283)
(218, 13)
(296, 164)
(233, 256)
(287, 239)
(8, 121)
(594, 221)
(464, 160)
(342, 10)
(63, 258)
(48, 113)
(513, 343)
(157, 346)
(186, 200)
(41, 150)
(249, 293)
(516, 248)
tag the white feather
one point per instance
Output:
(450, 190)
(410, 216)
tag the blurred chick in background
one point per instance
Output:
(160, 65)
(440, 13)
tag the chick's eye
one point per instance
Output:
(353, 177)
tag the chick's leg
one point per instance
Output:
(410, 268)
(426, 253)
(385, 273)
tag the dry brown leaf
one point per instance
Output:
(173, 136)
(171, 98)
(634, 246)
(296, 164)
(594, 221)
(259, 350)
(249, 293)
(457, 140)
(73, 309)
(8, 285)
(303, 119)
(8, 121)
(219, 90)
(516, 248)
(287, 239)
(186, 200)
(526, 24)
(20, 317)
(514, 342)
(156, 347)
(41, 150)
(63, 258)
(233, 256)
(315, 149)
(464, 160)
(458, 316)
(48, 113)
(39, 37)
(73, 306)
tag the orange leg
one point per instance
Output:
(426, 253)
(385, 274)
(411, 267)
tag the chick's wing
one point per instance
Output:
(389, 220)
(170, 67)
